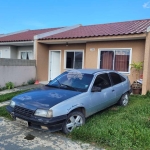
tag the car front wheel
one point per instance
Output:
(124, 99)
(74, 119)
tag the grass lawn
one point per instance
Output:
(119, 128)
(5, 97)
(4, 113)
(8, 96)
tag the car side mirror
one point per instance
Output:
(96, 89)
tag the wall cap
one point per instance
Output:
(56, 31)
(148, 29)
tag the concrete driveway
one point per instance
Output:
(16, 137)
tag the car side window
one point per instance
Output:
(116, 79)
(102, 81)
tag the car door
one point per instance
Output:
(105, 97)
(117, 84)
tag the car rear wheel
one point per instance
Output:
(74, 119)
(124, 99)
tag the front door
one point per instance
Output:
(55, 64)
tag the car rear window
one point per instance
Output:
(115, 78)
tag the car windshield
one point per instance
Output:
(72, 80)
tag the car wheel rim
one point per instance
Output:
(125, 100)
(73, 122)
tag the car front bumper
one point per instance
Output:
(52, 124)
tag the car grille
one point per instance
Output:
(23, 111)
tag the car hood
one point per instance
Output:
(44, 97)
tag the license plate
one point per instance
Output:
(22, 122)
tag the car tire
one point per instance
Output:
(124, 100)
(74, 119)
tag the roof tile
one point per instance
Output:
(110, 29)
(24, 36)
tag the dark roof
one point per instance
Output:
(110, 29)
(24, 36)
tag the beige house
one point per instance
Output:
(110, 46)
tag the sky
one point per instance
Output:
(17, 15)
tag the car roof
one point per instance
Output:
(91, 71)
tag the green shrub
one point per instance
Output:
(9, 85)
(32, 81)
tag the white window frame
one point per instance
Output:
(19, 57)
(113, 49)
(0, 53)
(65, 54)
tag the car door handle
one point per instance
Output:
(113, 90)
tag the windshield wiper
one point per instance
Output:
(51, 85)
(61, 84)
(70, 87)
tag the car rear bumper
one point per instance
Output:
(40, 123)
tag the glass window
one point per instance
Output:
(116, 79)
(0, 54)
(26, 55)
(69, 59)
(102, 81)
(74, 60)
(72, 80)
(115, 59)
(106, 59)
(78, 60)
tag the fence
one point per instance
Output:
(17, 71)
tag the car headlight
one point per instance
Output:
(12, 104)
(43, 113)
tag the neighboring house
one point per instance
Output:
(19, 45)
(110, 46)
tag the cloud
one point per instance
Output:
(146, 5)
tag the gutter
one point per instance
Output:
(94, 39)
(15, 43)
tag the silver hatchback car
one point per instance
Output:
(65, 102)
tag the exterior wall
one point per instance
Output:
(13, 52)
(5, 51)
(24, 48)
(16, 71)
(42, 61)
(90, 57)
(138, 50)
(146, 72)
(63, 47)
(43, 57)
